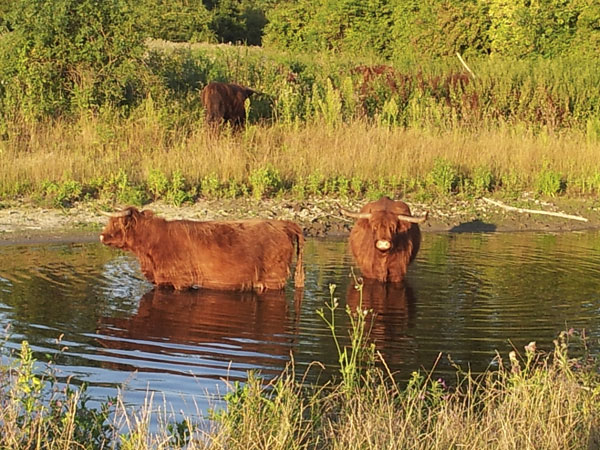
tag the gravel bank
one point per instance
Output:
(22, 222)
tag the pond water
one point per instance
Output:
(467, 295)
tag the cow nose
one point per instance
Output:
(383, 245)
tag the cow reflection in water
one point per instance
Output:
(394, 307)
(241, 327)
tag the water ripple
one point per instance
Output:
(466, 296)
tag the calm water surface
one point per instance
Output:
(467, 295)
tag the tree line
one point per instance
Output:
(64, 56)
(432, 28)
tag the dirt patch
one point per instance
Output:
(21, 222)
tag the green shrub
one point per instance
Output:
(357, 186)
(158, 183)
(482, 179)
(549, 182)
(235, 189)
(64, 194)
(314, 183)
(264, 181)
(176, 193)
(299, 190)
(512, 183)
(444, 176)
(210, 186)
(118, 188)
(66, 56)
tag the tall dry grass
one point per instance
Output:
(92, 150)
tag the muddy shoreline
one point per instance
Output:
(21, 222)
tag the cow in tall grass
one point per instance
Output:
(225, 103)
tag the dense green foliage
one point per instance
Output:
(427, 28)
(68, 55)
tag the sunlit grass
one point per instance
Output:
(92, 151)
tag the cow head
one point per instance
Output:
(385, 220)
(119, 231)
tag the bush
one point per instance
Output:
(264, 181)
(444, 176)
(69, 55)
(549, 182)
(63, 194)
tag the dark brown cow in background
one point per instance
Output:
(237, 255)
(385, 239)
(224, 102)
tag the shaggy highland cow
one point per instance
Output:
(224, 102)
(251, 255)
(385, 239)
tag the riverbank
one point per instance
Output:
(23, 222)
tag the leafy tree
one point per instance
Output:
(67, 55)
(176, 20)
(587, 35)
(287, 26)
(354, 25)
(523, 27)
(5, 8)
(434, 28)
(340, 25)
(239, 21)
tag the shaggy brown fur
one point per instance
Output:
(403, 237)
(224, 102)
(242, 255)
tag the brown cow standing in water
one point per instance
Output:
(385, 239)
(237, 255)
(224, 102)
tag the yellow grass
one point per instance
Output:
(92, 148)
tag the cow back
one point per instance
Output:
(244, 255)
(224, 102)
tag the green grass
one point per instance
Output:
(531, 399)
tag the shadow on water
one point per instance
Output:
(242, 330)
(475, 226)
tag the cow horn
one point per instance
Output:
(413, 219)
(124, 213)
(355, 215)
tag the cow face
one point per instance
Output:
(385, 239)
(384, 223)
(119, 231)
(385, 227)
